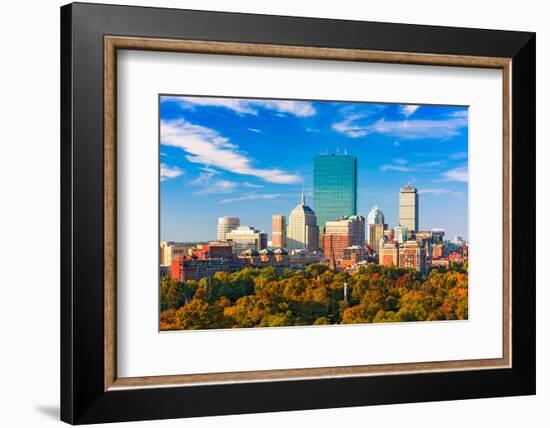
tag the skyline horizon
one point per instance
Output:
(286, 215)
(222, 155)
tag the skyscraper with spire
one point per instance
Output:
(334, 187)
(302, 231)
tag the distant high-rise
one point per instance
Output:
(247, 238)
(278, 231)
(401, 234)
(438, 235)
(408, 208)
(376, 233)
(376, 216)
(302, 231)
(334, 187)
(225, 225)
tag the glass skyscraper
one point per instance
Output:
(334, 187)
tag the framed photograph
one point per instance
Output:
(266, 213)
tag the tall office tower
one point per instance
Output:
(247, 238)
(408, 208)
(376, 216)
(376, 233)
(225, 225)
(334, 187)
(413, 255)
(341, 234)
(278, 231)
(302, 232)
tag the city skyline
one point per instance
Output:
(222, 157)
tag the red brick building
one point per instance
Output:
(413, 255)
(187, 268)
(389, 254)
(341, 234)
(214, 250)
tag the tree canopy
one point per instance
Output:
(255, 297)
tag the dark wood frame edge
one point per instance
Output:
(113, 43)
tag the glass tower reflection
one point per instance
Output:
(334, 187)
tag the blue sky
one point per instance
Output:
(251, 157)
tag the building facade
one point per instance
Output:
(401, 234)
(246, 238)
(214, 250)
(334, 187)
(278, 231)
(375, 216)
(187, 267)
(438, 235)
(408, 207)
(341, 234)
(389, 254)
(225, 225)
(355, 254)
(413, 256)
(302, 232)
(170, 250)
(376, 233)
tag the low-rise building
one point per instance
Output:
(190, 268)
(246, 238)
(170, 250)
(413, 255)
(389, 254)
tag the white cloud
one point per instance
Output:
(439, 192)
(296, 108)
(351, 116)
(210, 185)
(413, 129)
(457, 174)
(167, 172)
(257, 131)
(205, 146)
(399, 168)
(458, 155)
(348, 126)
(251, 197)
(402, 165)
(252, 185)
(460, 113)
(408, 110)
(219, 186)
(247, 106)
(404, 129)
